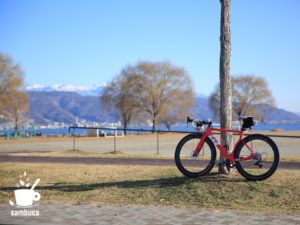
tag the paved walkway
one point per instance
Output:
(132, 214)
(4, 157)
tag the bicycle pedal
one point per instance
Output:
(230, 165)
(195, 155)
(258, 164)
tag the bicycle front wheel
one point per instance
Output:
(257, 157)
(195, 166)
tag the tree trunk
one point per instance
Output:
(153, 124)
(225, 80)
(168, 125)
(125, 122)
(16, 121)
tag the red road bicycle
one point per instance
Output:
(255, 156)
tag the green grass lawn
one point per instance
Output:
(154, 185)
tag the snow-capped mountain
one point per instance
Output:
(80, 89)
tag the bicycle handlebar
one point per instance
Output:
(198, 123)
(248, 122)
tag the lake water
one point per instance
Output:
(260, 127)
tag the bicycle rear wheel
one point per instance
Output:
(195, 166)
(260, 165)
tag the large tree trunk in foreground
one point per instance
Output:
(225, 80)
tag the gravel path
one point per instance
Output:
(131, 144)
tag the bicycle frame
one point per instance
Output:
(230, 157)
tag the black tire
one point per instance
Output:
(195, 166)
(267, 159)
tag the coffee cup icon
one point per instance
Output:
(25, 197)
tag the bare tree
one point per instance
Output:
(18, 104)
(177, 111)
(121, 94)
(249, 92)
(163, 90)
(160, 91)
(225, 80)
(10, 74)
(13, 102)
(10, 79)
(214, 103)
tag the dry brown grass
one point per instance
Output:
(156, 186)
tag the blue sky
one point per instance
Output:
(89, 42)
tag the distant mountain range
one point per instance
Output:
(94, 90)
(65, 107)
(58, 104)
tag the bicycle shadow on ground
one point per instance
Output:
(140, 184)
